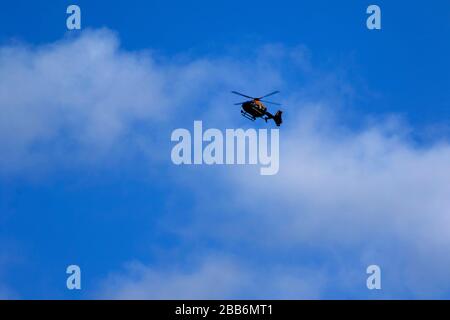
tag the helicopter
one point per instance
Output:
(255, 108)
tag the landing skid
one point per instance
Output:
(248, 115)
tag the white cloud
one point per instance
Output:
(370, 195)
(214, 277)
(77, 96)
(86, 97)
(354, 198)
(375, 179)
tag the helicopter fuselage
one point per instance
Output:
(254, 108)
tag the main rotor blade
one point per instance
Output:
(267, 95)
(240, 94)
(239, 103)
(275, 103)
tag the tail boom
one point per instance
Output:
(276, 118)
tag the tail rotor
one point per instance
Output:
(277, 118)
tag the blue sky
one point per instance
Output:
(86, 176)
(410, 52)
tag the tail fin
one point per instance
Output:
(277, 118)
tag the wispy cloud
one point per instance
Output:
(213, 277)
(354, 197)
